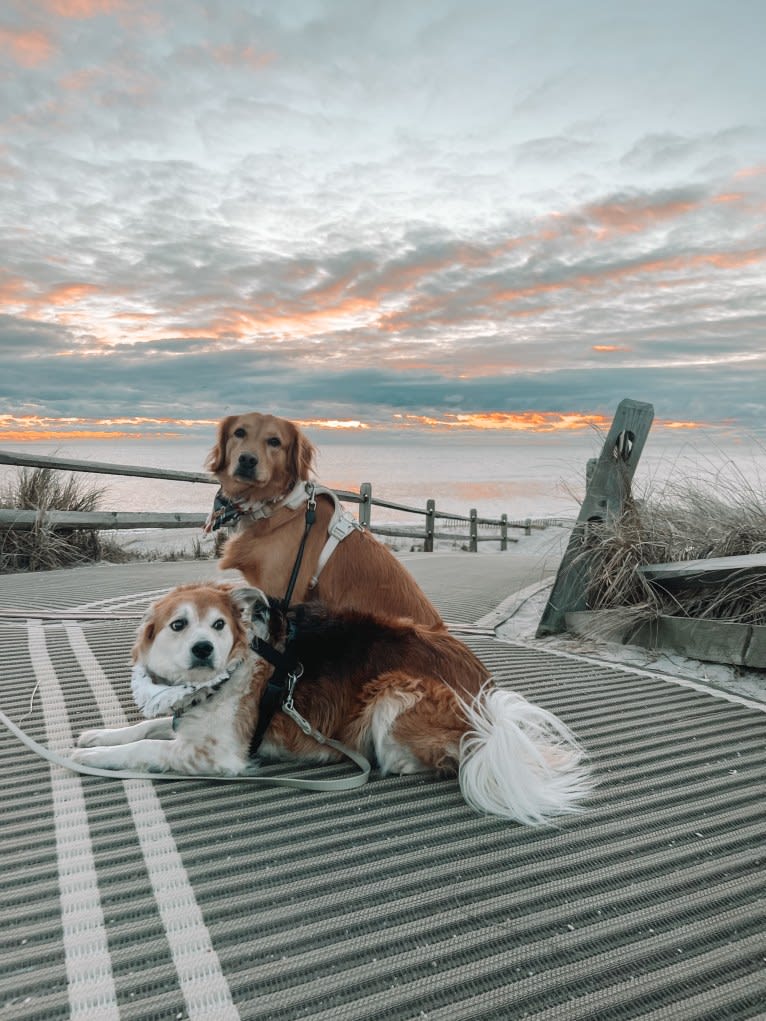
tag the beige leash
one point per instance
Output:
(346, 783)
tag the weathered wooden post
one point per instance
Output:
(527, 526)
(473, 544)
(503, 532)
(428, 541)
(365, 504)
(608, 485)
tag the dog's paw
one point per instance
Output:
(91, 738)
(102, 758)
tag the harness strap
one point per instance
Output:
(284, 664)
(286, 672)
(311, 515)
(226, 510)
(341, 525)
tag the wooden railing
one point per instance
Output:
(492, 529)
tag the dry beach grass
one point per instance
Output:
(42, 548)
(718, 516)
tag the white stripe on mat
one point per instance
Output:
(198, 967)
(118, 602)
(86, 952)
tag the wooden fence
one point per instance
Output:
(480, 529)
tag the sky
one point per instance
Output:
(432, 215)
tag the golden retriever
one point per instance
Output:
(386, 687)
(262, 463)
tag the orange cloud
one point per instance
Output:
(29, 49)
(331, 423)
(347, 314)
(78, 81)
(669, 264)
(609, 347)
(13, 291)
(49, 435)
(633, 217)
(751, 171)
(29, 428)
(668, 423)
(522, 421)
(232, 56)
(69, 294)
(36, 428)
(82, 9)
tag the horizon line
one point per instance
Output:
(43, 428)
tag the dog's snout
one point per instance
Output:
(202, 650)
(246, 464)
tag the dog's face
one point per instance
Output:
(259, 456)
(190, 634)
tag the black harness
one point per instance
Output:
(287, 669)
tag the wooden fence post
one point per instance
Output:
(428, 541)
(474, 528)
(365, 505)
(503, 532)
(608, 487)
(528, 526)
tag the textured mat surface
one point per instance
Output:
(137, 900)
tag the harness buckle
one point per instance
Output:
(344, 526)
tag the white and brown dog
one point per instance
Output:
(386, 687)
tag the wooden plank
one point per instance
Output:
(13, 457)
(755, 653)
(609, 480)
(709, 569)
(712, 641)
(25, 520)
(715, 641)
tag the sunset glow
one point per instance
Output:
(32, 428)
(202, 218)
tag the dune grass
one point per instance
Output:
(717, 516)
(43, 548)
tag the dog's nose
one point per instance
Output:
(202, 650)
(246, 463)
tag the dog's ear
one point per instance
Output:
(145, 635)
(253, 604)
(301, 456)
(216, 459)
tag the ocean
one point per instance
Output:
(522, 475)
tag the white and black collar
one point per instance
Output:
(156, 698)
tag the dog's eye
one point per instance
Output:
(274, 441)
(239, 433)
(219, 625)
(178, 625)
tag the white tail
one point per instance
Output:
(519, 761)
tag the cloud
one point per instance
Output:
(345, 211)
(26, 48)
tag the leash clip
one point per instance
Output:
(292, 680)
(288, 708)
(311, 501)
